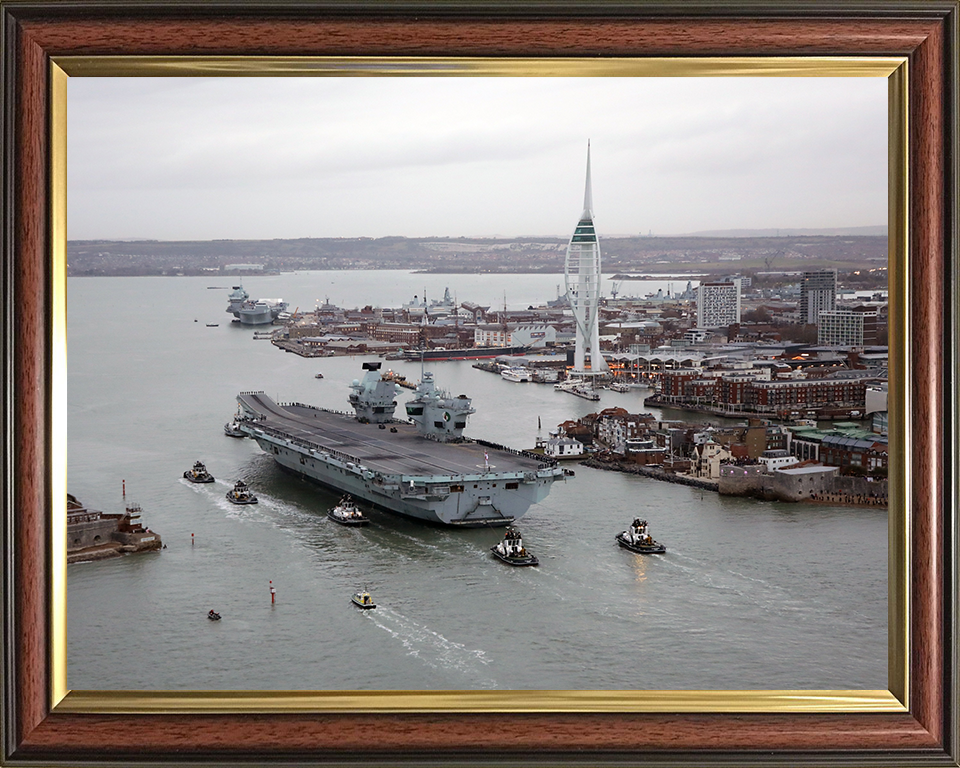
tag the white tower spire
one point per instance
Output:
(587, 191)
(582, 276)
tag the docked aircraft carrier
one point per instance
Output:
(422, 468)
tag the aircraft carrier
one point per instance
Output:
(423, 468)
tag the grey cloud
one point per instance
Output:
(469, 155)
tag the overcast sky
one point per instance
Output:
(237, 158)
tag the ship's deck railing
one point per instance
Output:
(315, 408)
(542, 462)
(309, 445)
(348, 414)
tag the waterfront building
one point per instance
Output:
(798, 483)
(582, 278)
(848, 452)
(409, 334)
(708, 458)
(645, 451)
(718, 304)
(514, 335)
(778, 459)
(787, 484)
(673, 383)
(845, 445)
(94, 535)
(785, 397)
(818, 293)
(561, 446)
(615, 427)
(876, 407)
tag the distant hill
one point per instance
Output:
(702, 252)
(878, 231)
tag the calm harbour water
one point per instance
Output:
(750, 594)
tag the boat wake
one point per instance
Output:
(435, 650)
(762, 594)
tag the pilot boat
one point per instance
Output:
(363, 600)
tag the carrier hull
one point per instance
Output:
(464, 484)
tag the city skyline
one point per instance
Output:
(263, 158)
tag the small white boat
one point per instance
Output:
(232, 429)
(516, 373)
(363, 600)
(583, 391)
(347, 513)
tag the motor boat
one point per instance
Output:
(511, 550)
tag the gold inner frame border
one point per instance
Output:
(895, 69)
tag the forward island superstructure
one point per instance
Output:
(423, 468)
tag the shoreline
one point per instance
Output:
(827, 499)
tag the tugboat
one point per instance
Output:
(363, 600)
(231, 429)
(638, 540)
(241, 494)
(347, 513)
(198, 474)
(511, 549)
(213, 616)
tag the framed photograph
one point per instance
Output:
(915, 718)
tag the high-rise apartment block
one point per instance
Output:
(847, 327)
(818, 293)
(718, 304)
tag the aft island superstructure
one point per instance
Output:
(423, 468)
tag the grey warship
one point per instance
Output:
(423, 468)
(253, 311)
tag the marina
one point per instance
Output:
(803, 606)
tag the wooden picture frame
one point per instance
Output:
(40, 726)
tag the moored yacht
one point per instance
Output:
(516, 373)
